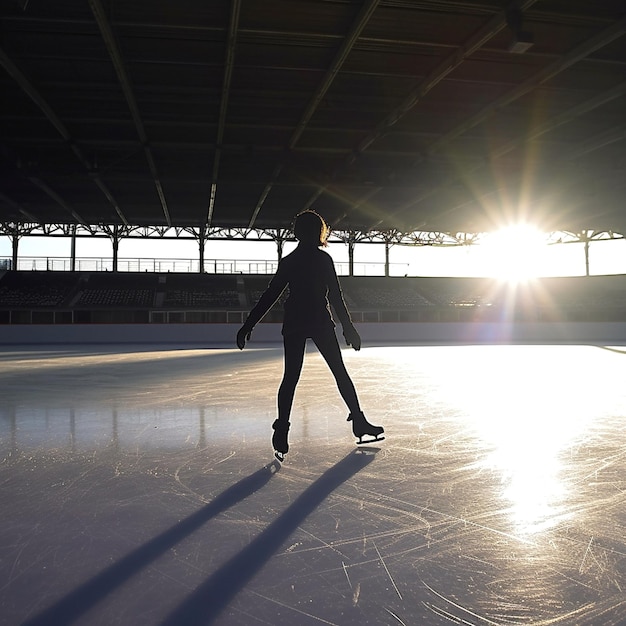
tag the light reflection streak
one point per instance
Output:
(529, 405)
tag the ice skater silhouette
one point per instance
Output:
(313, 286)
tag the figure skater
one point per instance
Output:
(313, 286)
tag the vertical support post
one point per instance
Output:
(585, 237)
(15, 238)
(387, 246)
(201, 245)
(115, 239)
(351, 245)
(73, 250)
(279, 236)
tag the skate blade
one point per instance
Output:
(374, 438)
(280, 456)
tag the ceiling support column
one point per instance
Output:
(115, 240)
(15, 231)
(585, 238)
(15, 239)
(351, 245)
(115, 234)
(387, 246)
(280, 235)
(73, 249)
(202, 239)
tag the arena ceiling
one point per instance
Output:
(432, 115)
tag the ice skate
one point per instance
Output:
(362, 428)
(279, 439)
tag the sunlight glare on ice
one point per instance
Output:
(529, 407)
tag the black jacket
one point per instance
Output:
(310, 275)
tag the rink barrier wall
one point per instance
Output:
(389, 333)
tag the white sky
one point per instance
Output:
(513, 256)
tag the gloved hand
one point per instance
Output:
(352, 337)
(243, 335)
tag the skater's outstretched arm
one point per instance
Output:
(266, 301)
(335, 297)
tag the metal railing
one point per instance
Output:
(163, 266)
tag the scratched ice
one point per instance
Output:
(138, 487)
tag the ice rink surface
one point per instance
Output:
(137, 487)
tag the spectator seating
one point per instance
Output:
(103, 289)
(201, 291)
(382, 292)
(378, 298)
(444, 291)
(254, 288)
(36, 289)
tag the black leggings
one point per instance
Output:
(327, 344)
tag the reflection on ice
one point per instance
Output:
(160, 399)
(530, 409)
(534, 488)
(527, 451)
(131, 488)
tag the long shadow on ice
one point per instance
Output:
(87, 595)
(214, 595)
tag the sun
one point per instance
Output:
(514, 253)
